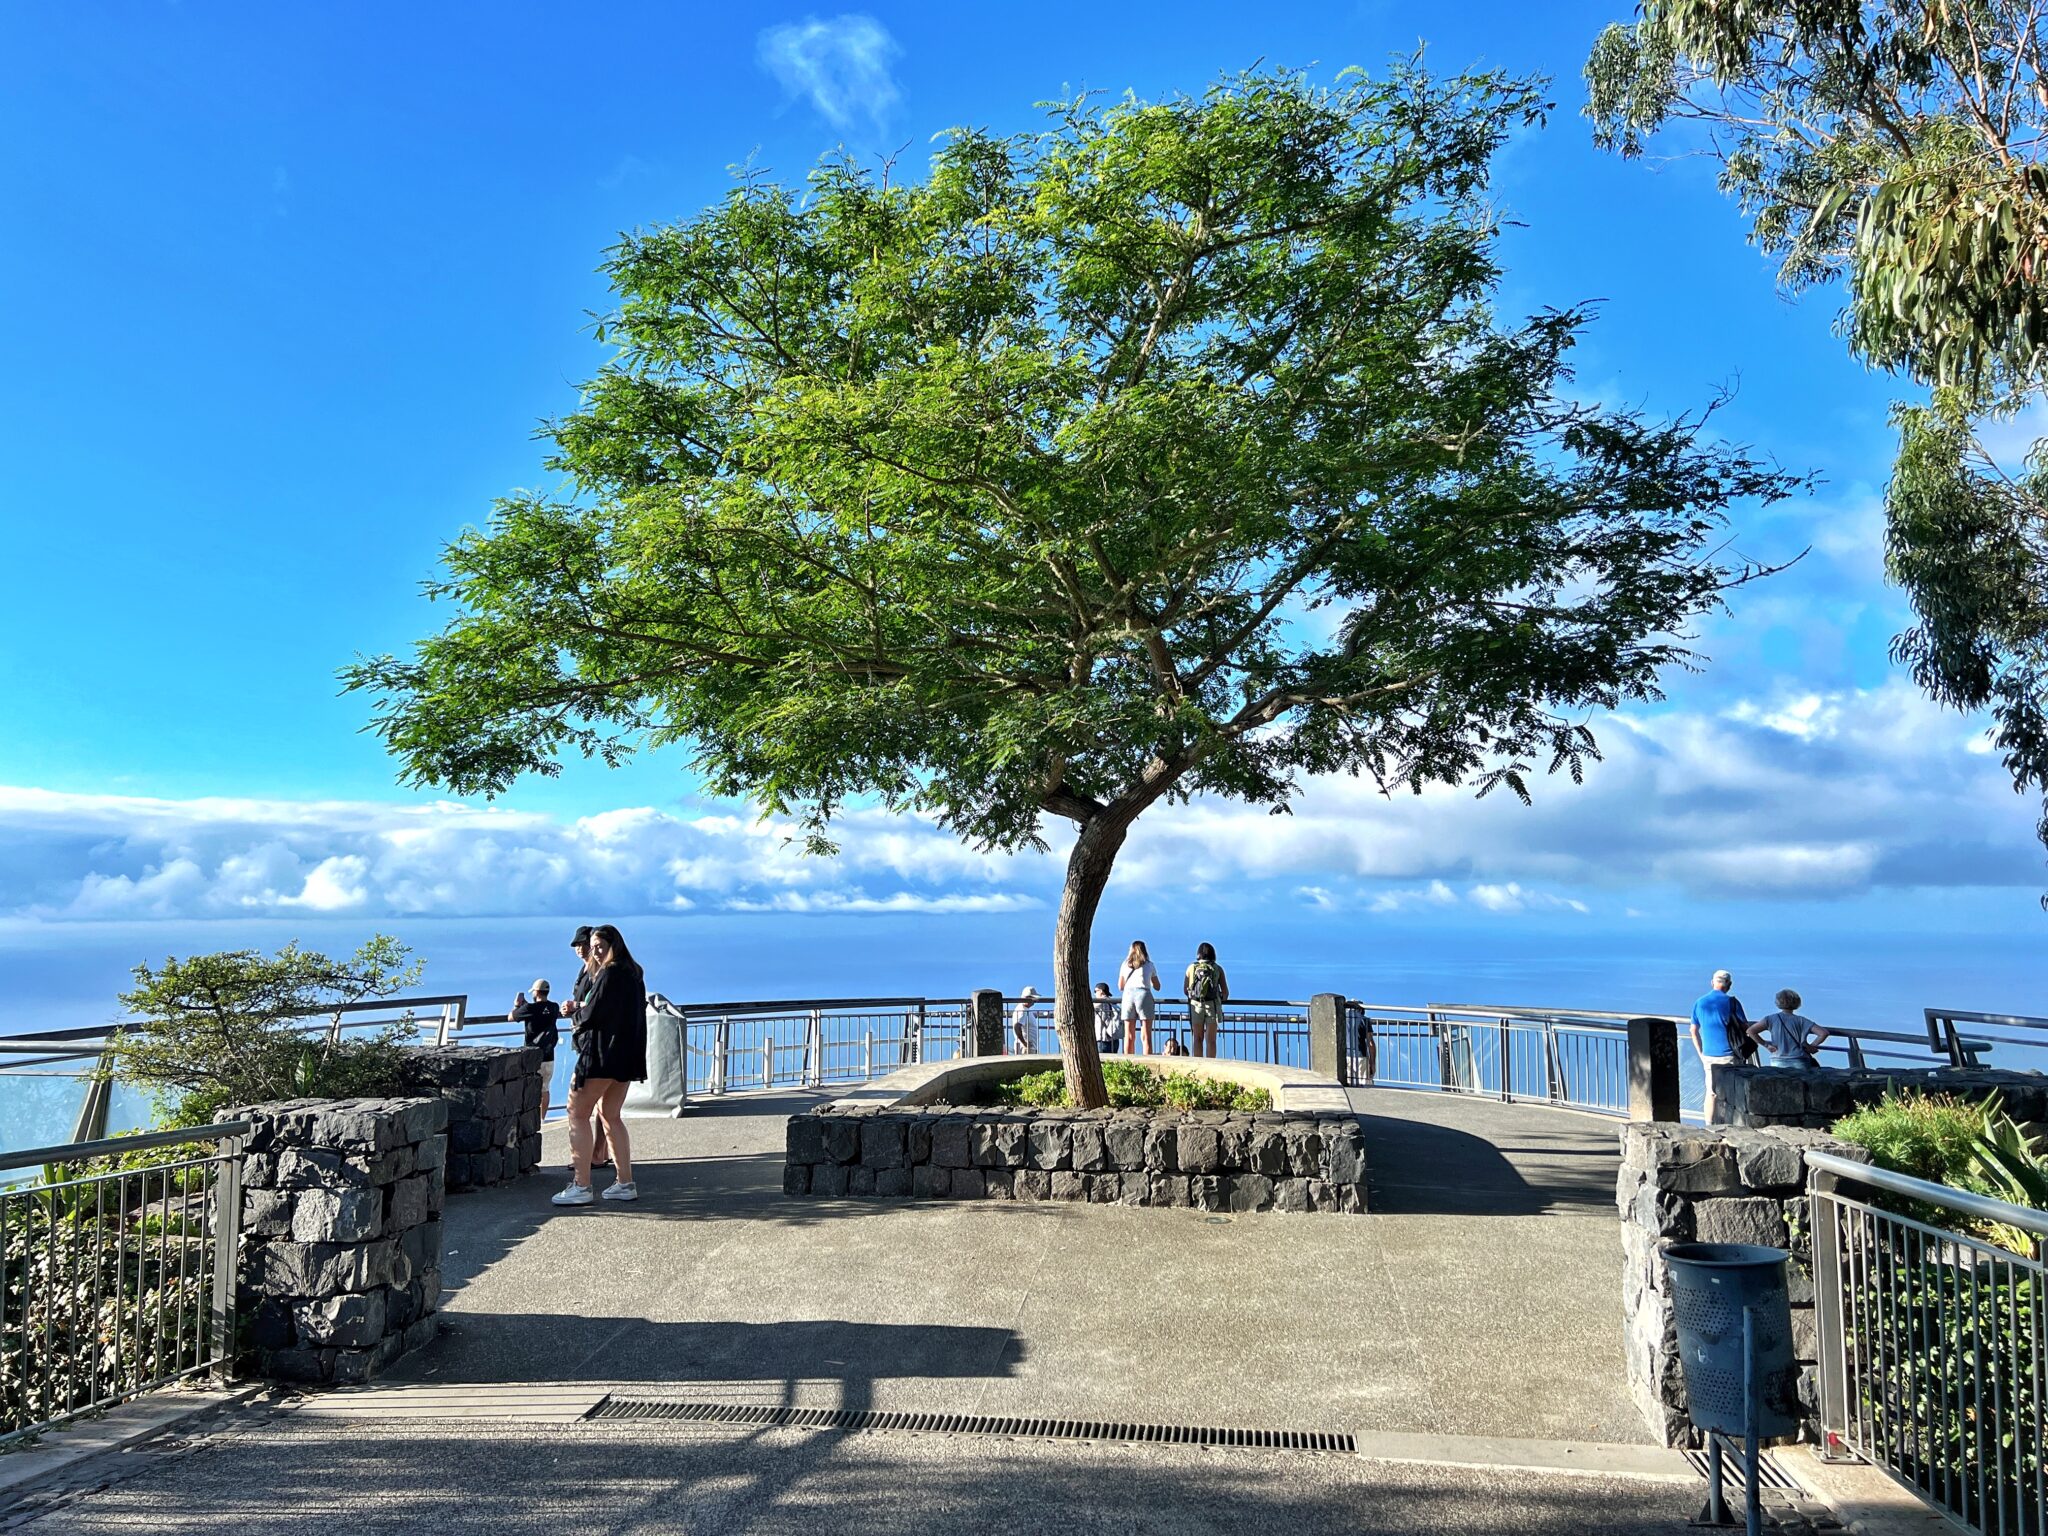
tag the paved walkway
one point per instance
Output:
(1480, 1298)
(1462, 1307)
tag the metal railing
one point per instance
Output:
(1269, 1030)
(1945, 1039)
(1567, 1058)
(1933, 1341)
(76, 1063)
(118, 1278)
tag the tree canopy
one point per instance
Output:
(1901, 146)
(1175, 448)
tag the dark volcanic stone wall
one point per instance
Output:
(1207, 1160)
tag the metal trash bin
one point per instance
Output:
(1711, 1286)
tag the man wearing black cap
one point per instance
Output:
(600, 1155)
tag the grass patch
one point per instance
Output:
(1132, 1086)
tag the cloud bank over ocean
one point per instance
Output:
(1804, 795)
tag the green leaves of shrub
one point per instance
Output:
(1132, 1086)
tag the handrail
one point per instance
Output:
(1983, 1207)
(115, 1146)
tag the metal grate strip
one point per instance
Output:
(616, 1409)
(1768, 1473)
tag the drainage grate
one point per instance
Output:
(1768, 1473)
(617, 1408)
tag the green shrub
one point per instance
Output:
(1927, 1136)
(225, 1029)
(1132, 1086)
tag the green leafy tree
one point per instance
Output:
(1172, 449)
(214, 1031)
(1901, 146)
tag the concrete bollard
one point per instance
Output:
(1653, 1070)
(1329, 1052)
(984, 1033)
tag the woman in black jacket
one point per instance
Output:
(611, 1052)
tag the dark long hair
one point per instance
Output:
(616, 942)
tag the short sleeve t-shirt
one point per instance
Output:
(543, 1020)
(1716, 1016)
(1785, 1034)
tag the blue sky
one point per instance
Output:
(291, 287)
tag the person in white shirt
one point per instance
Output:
(1139, 983)
(1024, 1023)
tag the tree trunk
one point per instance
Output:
(1088, 870)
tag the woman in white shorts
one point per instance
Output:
(1139, 983)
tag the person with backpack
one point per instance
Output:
(1720, 1032)
(1207, 989)
(1108, 1031)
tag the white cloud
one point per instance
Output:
(841, 65)
(1800, 793)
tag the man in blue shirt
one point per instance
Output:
(1717, 1020)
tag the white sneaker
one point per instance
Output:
(618, 1191)
(576, 1194)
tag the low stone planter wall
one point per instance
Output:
(1765, 1096)
(1206, 1160)
(493, 1097)
(341, 1234)
(1712, 1185)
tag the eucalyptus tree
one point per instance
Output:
(1900, 146)
(1172, 449)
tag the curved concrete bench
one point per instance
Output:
(1295, 1090)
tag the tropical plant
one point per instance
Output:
(1131, 1085)
(1174, 449)
(214, 1031)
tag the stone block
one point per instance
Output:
(1290, 1194)
(1267, 1153)
(421, 1332)
(882, 1144)
(1166, 1189)
(348, 1322)
(266, 1212)
(998, 1144)
(1103, 1188)
(1049, 1145)
(917, 1140)
(1091, 1147)
(928, 1181)
(1162, 1147)
(828, 1181)
(1031, 1184)
(1764, 1160)
(271, 1325)
(411, 1201)
(468, 1134)
(796, 1180)
(1344, 1155)
(389, 1167)
(1068, 1185)
(430, 1154)
(892, 1183)
(998, 1183)
(968, 1184)
(346, 1215)
(1304, 1148)
(953, 1143)
(295, 1365)
(1235, 1137)
(1248, 1192)
(803, 1139)
(1124, 1140)
(1201, 1149)
(1205, 1192)
(1741, 1219)
(1772, 1094)
(860, 1181)
(1805, 1334)
(319, 1168)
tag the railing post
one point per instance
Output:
(918, 1049)
(983, 1031)
(767, 1061)
(1507, 1062)
(1327, 1056)
(227, 1255)
(867, 1059)
(441, 1032)
(721, 1050)
(1832, 1340)
(1653, 1070)
(1553, 1050)
(1441, 1028)
(814, 1049)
